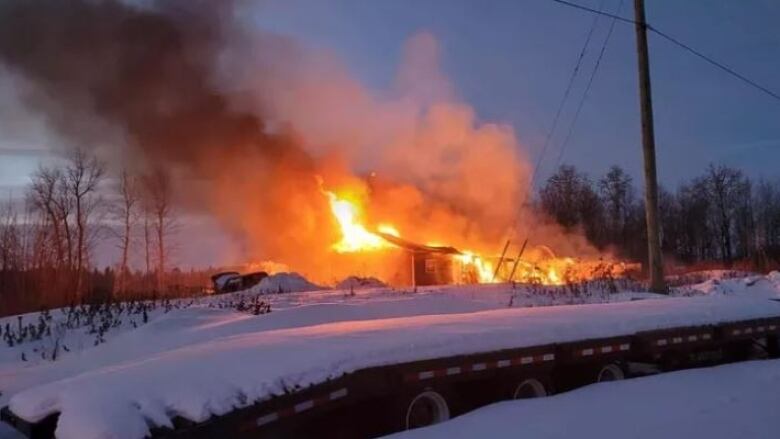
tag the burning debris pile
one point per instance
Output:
(272, 139)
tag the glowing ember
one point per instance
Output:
(553, 277)
(482, 269)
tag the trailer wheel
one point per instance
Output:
(530, 388)
(425, 409)
(610, 372)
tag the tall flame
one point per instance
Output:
(354, 235)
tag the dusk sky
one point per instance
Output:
(511, 60)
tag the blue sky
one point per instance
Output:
(511, 60)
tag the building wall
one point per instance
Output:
(432, 268)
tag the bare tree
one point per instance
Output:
(147, 239)
(11, 254)
(726, 187)
(568, 197)
(83, 175)
(617, 195)
(47, 195)
(159, 191)
(767, 206)
(127, 213)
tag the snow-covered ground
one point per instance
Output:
(726, 402)
(149, 371)
(72, 331)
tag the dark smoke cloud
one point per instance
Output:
(134, 82)
(143, 70)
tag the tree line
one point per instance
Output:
(48, 239)
(719, 218)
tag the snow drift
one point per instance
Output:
(122, 400)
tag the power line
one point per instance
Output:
(587, 87)
(554, 125)
(682, 45)
(594, 11)
(566, 93)
(725, 68)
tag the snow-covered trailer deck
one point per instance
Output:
(366, 378)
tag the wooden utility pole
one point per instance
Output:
(500, 261)
(656, 268)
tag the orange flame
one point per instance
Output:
(482, 268)
(544, 268)
(354, 235)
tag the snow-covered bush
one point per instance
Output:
(284, 283)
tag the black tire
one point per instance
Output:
(530, 388)
(610, 372)
(424, 408)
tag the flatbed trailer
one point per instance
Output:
(374, 401)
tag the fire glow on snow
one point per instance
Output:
(121, 400)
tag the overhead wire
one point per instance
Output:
(587, 87)
(594, 11)
(615, 17)
(723, 67)
(715, 63)
(565, 97)
(553, 126)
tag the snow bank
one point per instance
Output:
(755, 285)
(184, 327)
(284, 283)
(726, 402)
(356, 282)
(180, 328)
(241, 366)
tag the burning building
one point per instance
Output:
(243, 121)
(429, 265)
(400, 261)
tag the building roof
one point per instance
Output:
(418, 248)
